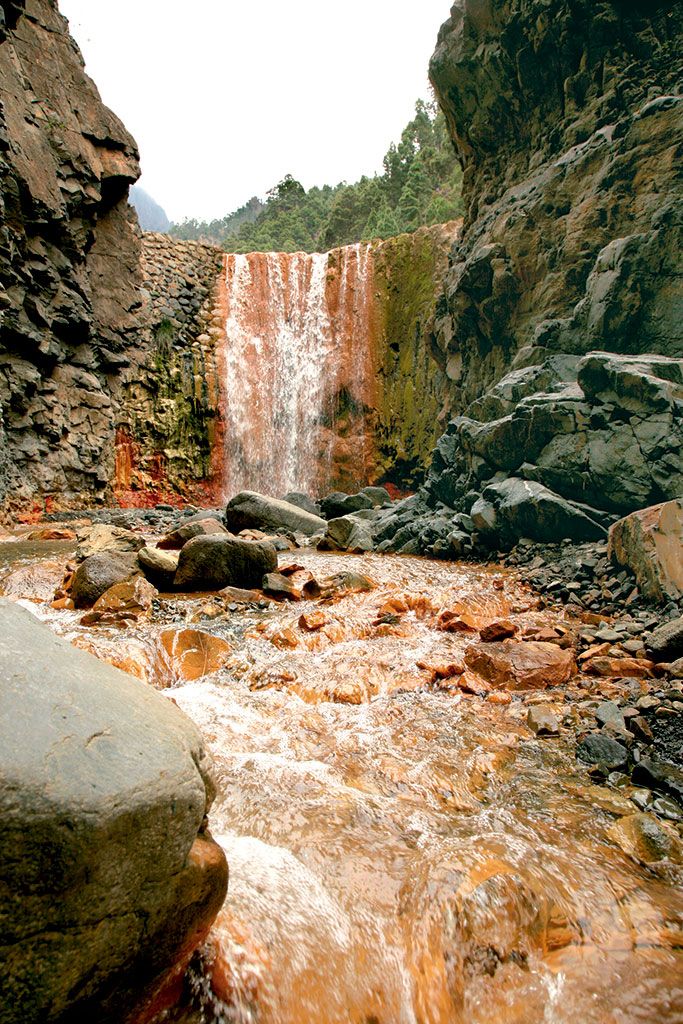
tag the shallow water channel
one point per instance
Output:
(400, 851)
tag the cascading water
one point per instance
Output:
(297, 335)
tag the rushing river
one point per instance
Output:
(400, 852)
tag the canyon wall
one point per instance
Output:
(169, 440)
(70, 302)
(568, 120)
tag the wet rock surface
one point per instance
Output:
(107, 874)
(561, 310)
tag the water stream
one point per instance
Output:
(401, 852)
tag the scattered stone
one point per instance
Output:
(101, 571)
(52, 534)
(496, 631)
(313, 621)
(660, 776)
(133, 597)
(235, 595)
(603, 751)
(609, 711)
(337, 585)
(276, 585)
(521, 666)
(636, 668)
(665, 643)
(211, 563)
(249, 510)
(158, 566)
(93, 540)
(542, 721)
(645, 839)
(175, 540)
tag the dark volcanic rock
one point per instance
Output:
(211, 563)
(249, 510)
(70, 313)
(665, 643)
(561, 114)
(603, 751)
(108, 878)
(522, 508)
(100, 572)
(337, 504)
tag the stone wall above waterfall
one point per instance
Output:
(169, 426)
(568, 119)
(70, 300)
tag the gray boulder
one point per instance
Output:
(517, 508)
(106, 873)
(301, 501)
(338, 504)
(211, 563)
(100, 572)
(251, 511)
(347, 533)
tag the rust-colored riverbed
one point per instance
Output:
(402, 852)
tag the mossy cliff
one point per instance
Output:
(411, 375)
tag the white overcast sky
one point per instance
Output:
(225, 97)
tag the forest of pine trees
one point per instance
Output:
(421, 184)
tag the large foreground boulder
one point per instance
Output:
(211, 563)
(650, 543)
(251, 511)
(107, 876)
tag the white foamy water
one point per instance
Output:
(284, 348)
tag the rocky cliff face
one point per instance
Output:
(568, 119)
(69, 261)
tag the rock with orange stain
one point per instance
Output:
(499, 697)
(521, 666)
(499, 630)
(52, 533)
(37, 582)
(596, 651)
(348, 691)
(133, 596)
(635, 668)
(441, 670)
(127, 654)
(451, 620)
(192, 653)
(238, 963)
(284, 638)
(280, 587)
(470, 682)
(62, 603)
(313, 621)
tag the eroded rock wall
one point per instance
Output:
(568, 119)
(169, 428)
(70, 302)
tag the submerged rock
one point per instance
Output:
(108, 877)
(249, 510)
(192, 653)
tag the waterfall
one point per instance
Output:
(298, 351)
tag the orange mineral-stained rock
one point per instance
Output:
(192, 653)
(135, 596)
(451, 620)
(52, 533)
(636, 668)
(470, 682)
(521, 666)
(313, 621)
(499, 630)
